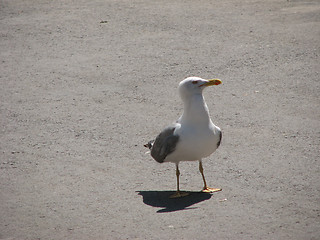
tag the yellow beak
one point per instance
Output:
(211, 82)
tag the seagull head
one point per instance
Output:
(195, 85)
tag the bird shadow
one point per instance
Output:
(162, 200)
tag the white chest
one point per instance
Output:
(195, 143)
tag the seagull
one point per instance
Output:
(193, 136)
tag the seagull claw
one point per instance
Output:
(210, 190)
(179, 194)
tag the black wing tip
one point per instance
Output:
(149, 144)
(218, 144)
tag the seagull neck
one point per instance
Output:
(195, 110)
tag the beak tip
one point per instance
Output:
(215, 81)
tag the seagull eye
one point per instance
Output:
(194, 82)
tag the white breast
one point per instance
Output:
(195, 143)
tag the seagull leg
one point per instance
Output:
(206, 189)
(178, 194)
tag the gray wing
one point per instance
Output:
(164, 144)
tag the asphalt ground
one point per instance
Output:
(85, 84)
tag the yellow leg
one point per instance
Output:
(206, 189)
(178, 194)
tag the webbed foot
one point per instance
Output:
(179, 194)
(210, 190)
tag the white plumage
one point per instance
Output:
(193, 136)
